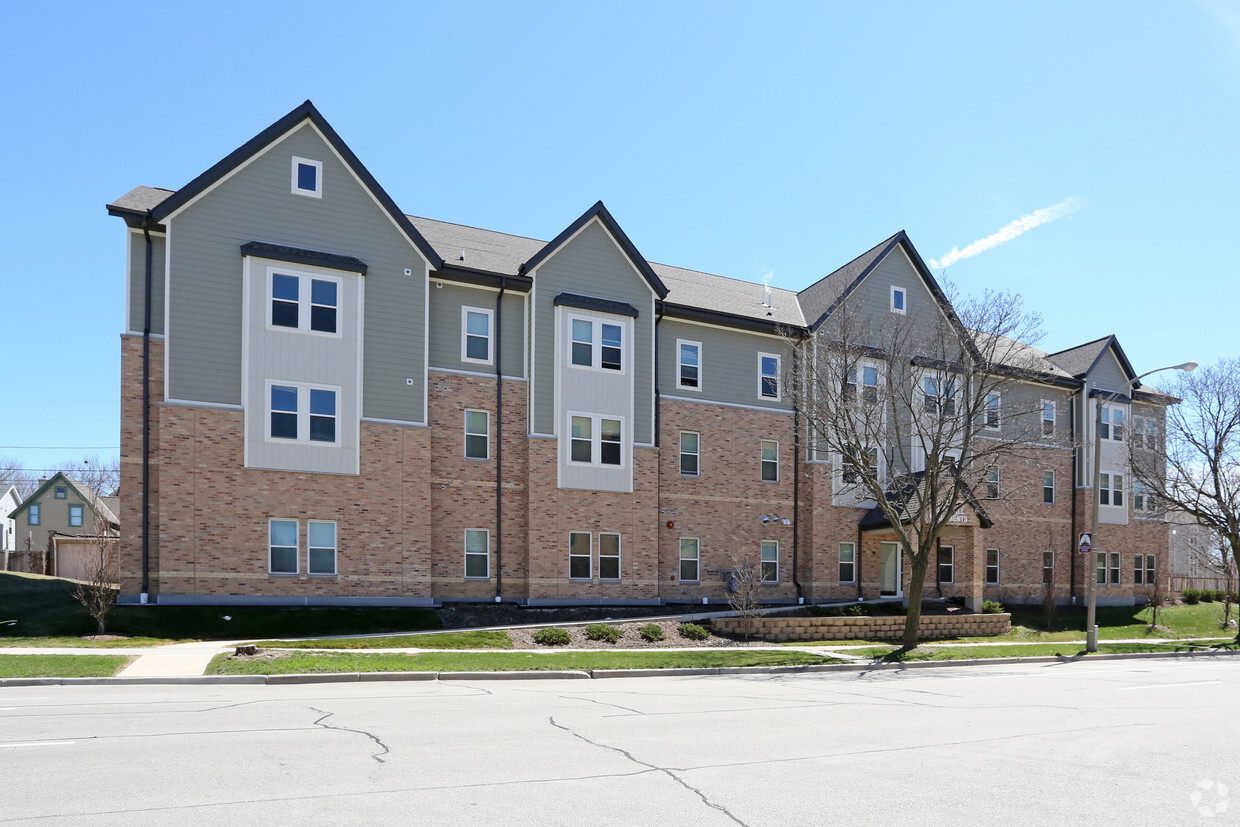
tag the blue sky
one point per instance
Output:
(736, 138)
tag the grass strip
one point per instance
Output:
(61, 666)
(314, 662)
(445, 640)
(65, 642)
(1066, 649)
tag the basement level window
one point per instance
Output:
(307, 177)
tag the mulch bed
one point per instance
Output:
(631, 638)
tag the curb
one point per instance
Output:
(592, 674)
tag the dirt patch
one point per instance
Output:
(104, 637)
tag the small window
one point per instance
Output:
(477, 435)
(991, 420)
(1151, 570)
(1100, 562)
(1113, 423)
(307, 177)
(770, 561)
(285, 301)
(320, 547)
(282, 546)
(613, 341)
(608, 556)
(1138, 570)
(477, 553)
(1142, 499)
(898, 297)
(689, 365)
(992, 567)
(947, 560)
(75, 516)
(1111, 489)
(1115, 568)
(992, 483)
(848, 562)
(770, 460)
(768, 378)
(938, 395)
(583, 343)
(289, 291)
(32, 514)
(323, 305)
(283, 412)
(61, 493)
(1048, 487)
(690, 453)
(1048, 418)
(476, 335)
(609, 441)
(582, 443)
(579, 555)
(869, 385)
(689, 558)
(854, 464)
(322, 415)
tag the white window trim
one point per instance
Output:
(317, 192)
(998, 409)
(490, 314)
(997, 482)
(296, 548)
(486, 435)
(880, 469)
(303, 414)
(465, 554)
(998, 567)
(589, 555)
(596, 439)
(680, 455)
(619, 555)
(305, 284)
(761, 461)
(901, 310)
(680, 365)
(852, 548)
(335, 548)
(779, 377)
(1042, 420)
(1050, 471)
(762, 562)
(1111, 489)
(860, 383)
(680, 559)
(938, 565)
(596, 343)
(1110, 426)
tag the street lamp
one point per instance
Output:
(1091, 628)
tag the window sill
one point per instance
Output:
(478, 579)
(331, 576)
(284, 574)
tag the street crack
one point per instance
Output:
(326, 715)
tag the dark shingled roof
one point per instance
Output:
(1078, 360)
(141, 199)
(818, 299)
(903, 499)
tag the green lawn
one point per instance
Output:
(1065, 649)
(65, 642)
(439, 640)
(307, 662)
(61, 666)
(44, 607)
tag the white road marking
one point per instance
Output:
(40, 744)
(1165, 686)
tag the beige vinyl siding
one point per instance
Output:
(255, 204)
(137, 282)
(729, 364)
(592, 265)
(446, 304)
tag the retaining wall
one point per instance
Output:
(884, 627)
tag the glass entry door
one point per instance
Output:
(889, 564)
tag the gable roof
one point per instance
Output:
(97, 503)
(1080, 361)
(132, 202)
(10, 494)
(600, 212)
(821, 298)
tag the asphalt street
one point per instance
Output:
(1112, 742)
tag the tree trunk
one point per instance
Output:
(912, 623)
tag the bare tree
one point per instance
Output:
(1195, 466)
(745, 587)
(100, 475)
(919, 414)
(98, 591)
(1158, 597)
(13, 473)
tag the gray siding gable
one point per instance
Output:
(446, 300)
(136, 278)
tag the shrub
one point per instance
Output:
(1233, 597)
(651, 632)
(992, 607)
(1206, 596)
(602, 631)
(552, 636)
(1219, 595)
(692, 631)
(1190, 596)
(855, 610)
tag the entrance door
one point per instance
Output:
(890, 565)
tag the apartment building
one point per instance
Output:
(326, 401)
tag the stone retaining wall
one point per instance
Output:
(883, 627)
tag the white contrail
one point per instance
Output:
(1009, 232)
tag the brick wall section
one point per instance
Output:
(130, 515)
(780, 629)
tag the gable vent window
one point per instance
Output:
(307, 177)
(898, 298)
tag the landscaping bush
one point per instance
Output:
(1190, 596)
(992, 607)
(692, 631)
(1206, 596)
(602, 631)
(651, 632)
(855, 610)
(1219, 595)
(1233, 597)
(552, 636)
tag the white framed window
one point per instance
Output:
(1048, 487)
(899, 300)
(770, 460)
(992, 567)
(690, 558)
(595, 439)
(307, 177)
(688, 365)
(303, 302)
(298, 412)
(991, 413)
(768, 376)
(1048, 417)
(938, 394)
(1110, 489)
(476, 326)
(282, 547)
(61, 492)
(1142, 499)
(596, 344)
(868, 375)
(320, 547)
(33, 514)
(1112, 423)
(769, 551)
(851, 465)
(579, 543)
(608, 555)
(848, 562)
(1138, 570)
(992, 483)
(1151, 570)
(1103, 569)
(477, 554)
(477, 434)
(1144, 432)
(947, 564)
(75, 516)
(690, 453)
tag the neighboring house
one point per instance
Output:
(1199, 559)
(9, 501)
(350, 405)
(60, 506)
